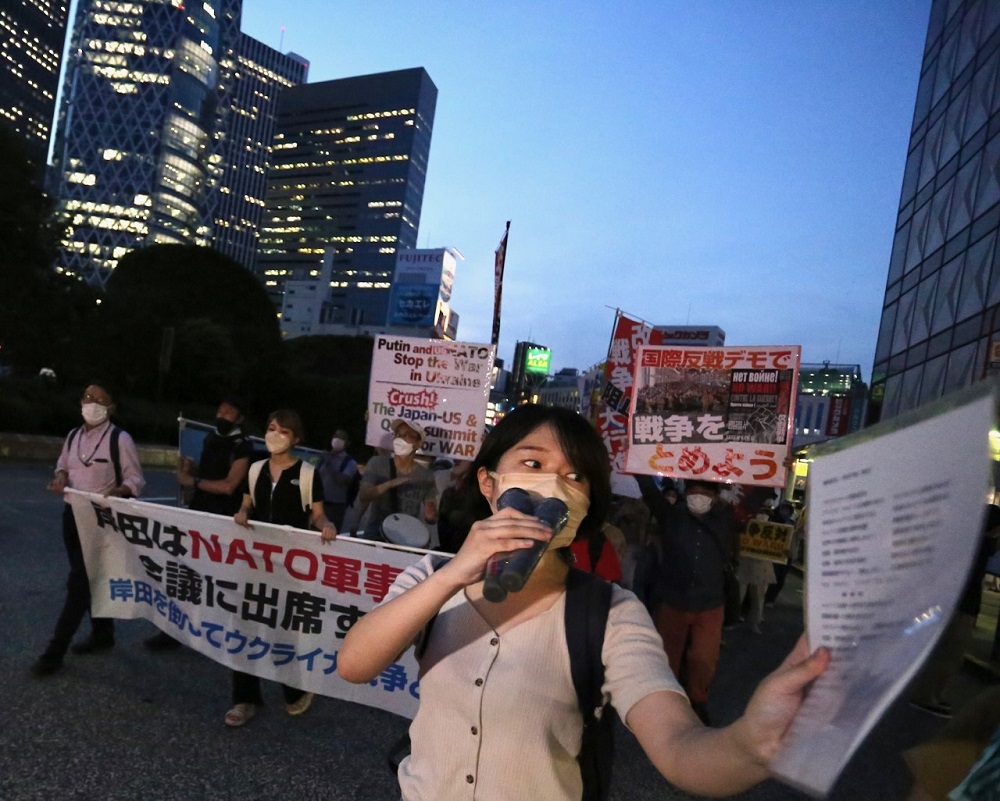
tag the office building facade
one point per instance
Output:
(939, 314)
(253, 77)
(349, 164)
(163, 131)
(32, 33)
(830, 403)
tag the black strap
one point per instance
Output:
(394, 492)
(588, 603)
(116, 461)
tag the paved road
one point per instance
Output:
(129, 724)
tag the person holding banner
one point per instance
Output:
(217, 483)
(498, 712)
(398, 484)
(277, 490)
(96, 457)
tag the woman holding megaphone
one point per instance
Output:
(498, 708)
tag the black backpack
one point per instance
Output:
(588, 602)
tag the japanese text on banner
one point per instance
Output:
(719, 414)
(269, 600)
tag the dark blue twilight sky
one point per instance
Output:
(729, 163)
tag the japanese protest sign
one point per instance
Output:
(444, 386)
(718, 414)
(763, 540)
(269, 600)
(612, 420)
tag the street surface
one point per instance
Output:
(130, 724)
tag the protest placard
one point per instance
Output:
(716, 414)
(612, 418)
(763, 540)
(268, 600)
(443, 386)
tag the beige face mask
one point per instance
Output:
(549, 485)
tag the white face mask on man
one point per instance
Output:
(94, 413)
(401, 447)
(337, 444)
(699, 504)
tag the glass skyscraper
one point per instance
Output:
(151, 130)
(940, 313)
(253, 77)
(32, 33)
(348, 172)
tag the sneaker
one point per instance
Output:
(941, 710)
(92, 645)
(240, 715)
(161, 642)
(46, 665)
(300, 706)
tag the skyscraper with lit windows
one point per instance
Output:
(161, 113)
(32, 33)
(348, 172)
(940, 321)
(253, 77)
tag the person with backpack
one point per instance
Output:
(499, 709)
(283, 490)
(217, 483)
(99, 457)
(341, 479)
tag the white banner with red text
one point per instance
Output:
(714, 414)
(443, 386)
(270, 600)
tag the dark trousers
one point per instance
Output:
(246, 690)
(77, 603)
(335, 513)
(780, 572)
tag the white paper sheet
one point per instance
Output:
(892, 531)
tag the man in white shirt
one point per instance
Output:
(96, 457)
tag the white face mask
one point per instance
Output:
(550, 485)
(337, 444)
(277, 442)
(699, 504)
(401, 447)
(93, 413)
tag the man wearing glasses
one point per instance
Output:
(96, 457)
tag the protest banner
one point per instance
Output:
(268, 600)
(443, 386)
(612, 420)
(763, 540)
(716, 414)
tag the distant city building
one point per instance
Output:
(253, 77)
(688, 335)
(163, 130)
(349, 166)
(939, 316)
(419, 306)
(529, 372)
(565, 388)
(830, 403)
(33, 32)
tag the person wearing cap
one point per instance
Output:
(398, 484)
(222, 467)
(697, 537)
